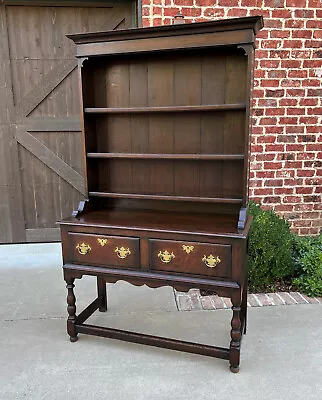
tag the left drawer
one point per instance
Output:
(113, 251)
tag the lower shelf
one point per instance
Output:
(225, 200)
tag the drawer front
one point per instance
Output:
(114, 251)
(191, 258)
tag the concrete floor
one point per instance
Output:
(281, 354)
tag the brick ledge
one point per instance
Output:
(194, 301)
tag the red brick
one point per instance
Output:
(274, 111)
(268, 121)
(290, 83)
(292, 199)
(314, 24)
(276, 74)
(265, 157)
(274, 129)
(275, 93)
(312, 199)
(288, 120)
(285, 174)
(300, 53)
(274, 147)
(311, 82)
(297, 73)
(308, 120)
(272, 199)
(283, 190)
(295, 111)
(294, 147)
(282, 54)
(259, 73)
(304, 14)
(291, 63)
(302, 34)
(237, 12)
(291, 44)
(305, 173)
(314, 92)
(170, 12)
(304, 231)
(314, 4)
(283, 14)
(228, 3)
(273, 23)
(288, 102)
(283, 207)
(296, 3)
(294, 23)
(304, 190)
(265, 174)
(191, 12)
(207, 303)
(282, 34)
(272, 165)
(269, 83)
(309, 102)
(312, 43)
(273, 183)
(262, 192)
(269, 63)
(268, 103)
(295, 92)
(276, 299)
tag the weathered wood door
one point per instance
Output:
(41, 167)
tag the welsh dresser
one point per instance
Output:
(166, 123)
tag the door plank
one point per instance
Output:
(11, 200)
(51, 160)
(43, 235)
(50, 124)
(45, 87)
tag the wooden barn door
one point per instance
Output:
(41, 167)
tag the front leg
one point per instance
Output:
(71, 309)
(101, 294)
(234, 351)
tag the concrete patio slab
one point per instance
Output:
(280, 359)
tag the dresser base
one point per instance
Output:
(76, 325)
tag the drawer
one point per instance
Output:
(114, 251)
(191, 257)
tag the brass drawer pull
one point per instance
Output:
(211, 261)
(122, 252)
(102, 242)
(166, 257)
(83, 248)
(187, 249)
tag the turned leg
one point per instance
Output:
(244, 307)
(101, 293)
(71, 309)
(234, 351)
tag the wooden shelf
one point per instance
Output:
(205, 157)
(172, 198)
(125, 110)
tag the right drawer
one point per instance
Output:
(191, 257)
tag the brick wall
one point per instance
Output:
(286, 160)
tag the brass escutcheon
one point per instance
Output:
(211, 261)
(102, 242)
(166, 257)
(187, 249)
(122, 252)
(83, 248)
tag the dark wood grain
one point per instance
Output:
(163, 109)
(166, 154)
